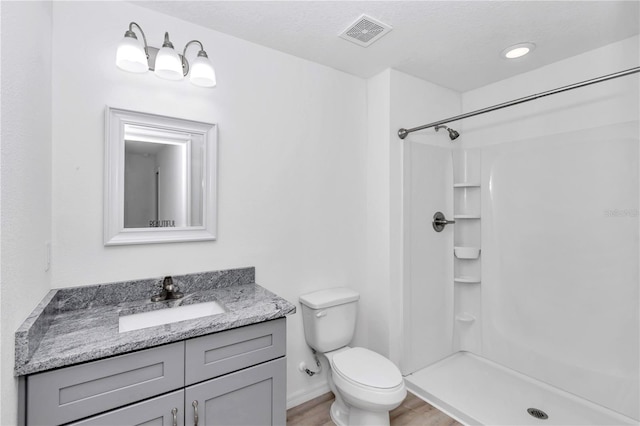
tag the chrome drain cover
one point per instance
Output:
(537, 413)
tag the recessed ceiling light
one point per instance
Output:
(517, 50)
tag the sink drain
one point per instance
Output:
(537, 413)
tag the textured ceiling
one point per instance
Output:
(455, 44)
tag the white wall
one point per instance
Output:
(413, 102)
(428, 290)
(1, 335)
(374, 328)
(25, 212)
(291, 161)
(560, 278)
(395, 100)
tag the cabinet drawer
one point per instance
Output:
(221, 353)
(153, 412)
(72, 393)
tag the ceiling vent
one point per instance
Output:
(365, 31)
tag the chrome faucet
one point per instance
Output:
(169, 291)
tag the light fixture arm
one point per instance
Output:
(144, 38)
(191, 42)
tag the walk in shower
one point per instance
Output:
(526, 309)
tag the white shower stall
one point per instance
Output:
(526, 309)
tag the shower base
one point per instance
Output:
(476, 391)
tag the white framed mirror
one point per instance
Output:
(160, 177)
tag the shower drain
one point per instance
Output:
(537, 413)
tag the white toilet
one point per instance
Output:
(366, 384)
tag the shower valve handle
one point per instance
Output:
(439, 221)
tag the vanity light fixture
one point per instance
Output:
(517, 50)
(165, 62)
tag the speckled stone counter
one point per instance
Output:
(80, 324)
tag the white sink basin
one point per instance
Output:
(168, 315)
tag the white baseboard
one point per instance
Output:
(300, 397)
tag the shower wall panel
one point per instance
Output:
(560, 262)
(428, 262)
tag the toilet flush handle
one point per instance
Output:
(321, 314)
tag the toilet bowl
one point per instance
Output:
(366, 385)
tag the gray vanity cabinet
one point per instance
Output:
(233, 377)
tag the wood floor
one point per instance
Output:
(412, 411)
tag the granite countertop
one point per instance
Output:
(80, 324)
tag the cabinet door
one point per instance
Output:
(254, 396)
(153, 412)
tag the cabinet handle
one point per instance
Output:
(175, 416)
(195, 413)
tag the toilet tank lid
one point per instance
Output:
(329, 297)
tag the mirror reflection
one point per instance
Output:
(163, 180)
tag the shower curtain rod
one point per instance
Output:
(402, 133)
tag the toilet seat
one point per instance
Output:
(367, 380)
(363, 368)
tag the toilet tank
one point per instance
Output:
(329, 318)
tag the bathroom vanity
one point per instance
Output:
(78, 367)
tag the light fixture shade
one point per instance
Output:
(131, 56)
(202, 73)
(168, 64)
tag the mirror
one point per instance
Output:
(160, 179)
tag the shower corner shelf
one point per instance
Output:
(467, 185)
(467, 252)
(466, 216)
(466, 318)
(467, 280)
